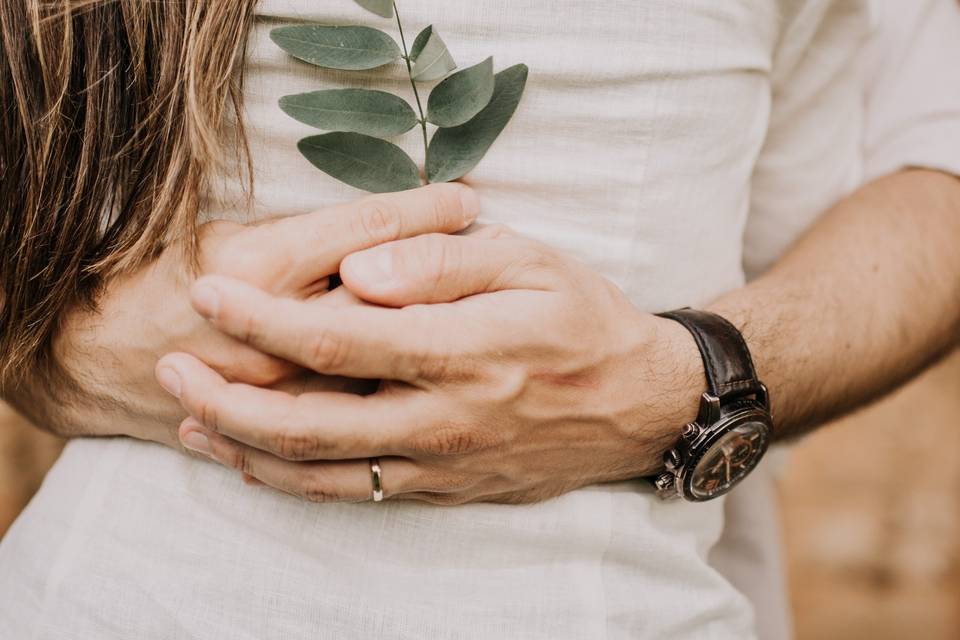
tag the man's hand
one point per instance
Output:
(530, 375)
(512, 374)
(112, 352)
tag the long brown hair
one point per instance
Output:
(113, 113)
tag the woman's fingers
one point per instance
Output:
(442, 268)
(316, 243)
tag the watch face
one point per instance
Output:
(730, 458)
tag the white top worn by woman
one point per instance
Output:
(638, 147)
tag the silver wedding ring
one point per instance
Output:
(376, 474)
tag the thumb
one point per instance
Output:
(440, 268)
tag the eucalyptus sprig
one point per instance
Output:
(470, 108)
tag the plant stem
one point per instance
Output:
(413, 83)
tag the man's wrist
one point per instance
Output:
(671, 368)
(687, 375)
(763, 325)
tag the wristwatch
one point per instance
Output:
(733, 428)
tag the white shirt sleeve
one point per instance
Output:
(912, 92)
(812, 155)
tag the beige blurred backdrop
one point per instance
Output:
(871, 511)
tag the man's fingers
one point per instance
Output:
(310, 426)
(328, 481)
(354, 341)
(316, 243)
(440, 268)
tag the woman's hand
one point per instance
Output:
(112, 352)
(514, 374)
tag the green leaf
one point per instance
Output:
(454, 152)
(375, 113)
(430, 57)
(361, 161)
(383, 8)
(346, 48)
(420, 42)
(461, 96)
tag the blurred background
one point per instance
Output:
(871, 512)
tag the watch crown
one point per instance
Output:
(672, 459)
(664, 481)
(690, 431)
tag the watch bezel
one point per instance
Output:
(692, 452)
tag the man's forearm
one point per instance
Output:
(865, 300)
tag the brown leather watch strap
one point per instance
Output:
(726, 358)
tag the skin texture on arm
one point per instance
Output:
(864, 301)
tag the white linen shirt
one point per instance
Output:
(640, 147)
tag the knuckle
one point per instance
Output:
(447, 208)
(378, 221)
(326, 350)
(317, 487)
(450, 252)
(444, 259)
(209, 412)
(432, 365)
(313, 493)
(239, 459)
(294, 445)
(250, 321)
(453, 441)
(508, 384)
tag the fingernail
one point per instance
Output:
(471, 205)
(373, 266)
(197, 441)
(169, 379)
(206, 300)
